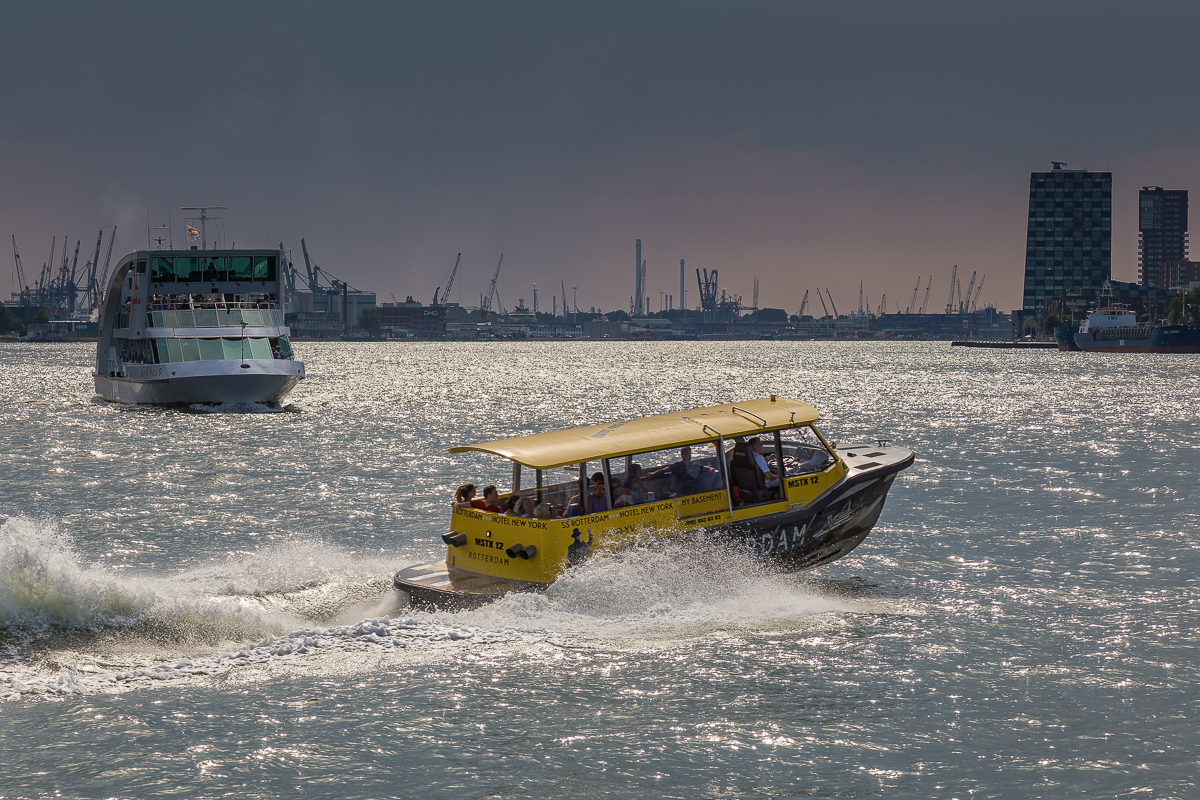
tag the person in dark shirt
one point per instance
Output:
(686, 477)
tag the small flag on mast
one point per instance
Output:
(193, 233)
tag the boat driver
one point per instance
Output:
(757, 446)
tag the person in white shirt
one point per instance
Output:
(771, 478)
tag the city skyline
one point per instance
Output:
(809, 147)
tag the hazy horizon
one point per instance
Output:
(809, 145)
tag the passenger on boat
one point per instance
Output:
(544, 511)
(490, 502)
(510, 504)
(463, 495)
(770, 477)
(597, 501)
(633, 486)
(688, 478)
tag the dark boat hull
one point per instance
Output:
(802, 538)
(1163, 339)
(1064, 337)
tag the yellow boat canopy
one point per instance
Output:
(679, 428)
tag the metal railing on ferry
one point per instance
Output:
(218, 318)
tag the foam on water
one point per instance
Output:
(43, 586)
(264, 604)
(669, 592)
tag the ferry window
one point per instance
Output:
(285, 347)
(211, 350)
(162, 269)
(187, 269)
(260, 348)
(252, 316)
(164, 353)
(803, 452)
(215, 269)
(191, 350)
(240, 268)
(235, 349)
(264, 268)
(141, 268)
(175, 349)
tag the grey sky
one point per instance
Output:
(805, 143)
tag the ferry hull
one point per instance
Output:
(803, 538)
(269, 389)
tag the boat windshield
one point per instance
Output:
(804, 452)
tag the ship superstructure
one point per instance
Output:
(196, 326)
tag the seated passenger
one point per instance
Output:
(463, 495)
(510, 505)
(597, 500)
(760, 460)
(544, 511)
(637, 490)
(688, 478)
(490, 502)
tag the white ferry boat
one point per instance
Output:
(196, 326)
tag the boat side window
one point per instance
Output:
(240, 268)
(264, 268)
(215, 268)
(141, 268)
(235, 349)
(164, 351)
(259, 347)
(175, 349)
(658, 474)
(191, 349)
(283, 345)
(803, 452)
(162, 269)
(187, 269)
(211, 350)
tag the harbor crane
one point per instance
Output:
(912, 303)
(824, 307)
(978, 290)
(449, 283)
(107, 261)
(93, 292)
(883, 305)
(564, 297)
(953, 281)
(928, 289)
(20, 273)
(970, 288)
(803, 305)
(860, 298)
(831, 303)
(485, 307)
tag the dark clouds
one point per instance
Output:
(804, 143)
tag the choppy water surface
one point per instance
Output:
(198, 604)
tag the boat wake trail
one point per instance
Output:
(67, 628)
(674, 591)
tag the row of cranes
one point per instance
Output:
(71, 289)
(966, 303)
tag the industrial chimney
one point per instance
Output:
(637, 279)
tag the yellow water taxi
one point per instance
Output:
(755, 475)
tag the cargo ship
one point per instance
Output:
(1115, 329)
